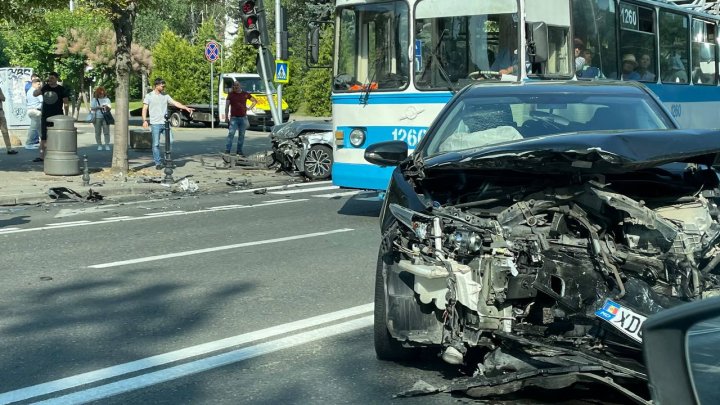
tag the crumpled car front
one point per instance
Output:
(549, 253)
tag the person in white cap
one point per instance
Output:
(628, 67)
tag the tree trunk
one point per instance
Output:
(123, 20)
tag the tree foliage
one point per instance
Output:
(183, 65)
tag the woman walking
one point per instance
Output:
(99, 105)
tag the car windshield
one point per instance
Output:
(249, 84)
(481, 121)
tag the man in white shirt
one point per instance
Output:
(34, 112)
(156, 102)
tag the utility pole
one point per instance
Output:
(278, 28)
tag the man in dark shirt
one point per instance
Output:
(55, 102)
(235, 115)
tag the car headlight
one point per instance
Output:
(357, 137)
(258, 111)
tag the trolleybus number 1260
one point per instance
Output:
(408, 135)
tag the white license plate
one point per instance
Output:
(623, 318)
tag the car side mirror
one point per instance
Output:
(681, 346)
(389, 153)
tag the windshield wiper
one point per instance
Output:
(434, 57)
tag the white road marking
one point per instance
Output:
(304, 190)
(68, 223)
(8, 229)
(340, 194)
(198, 366)
(178, 355)
(166, 213)
(115, 218)
(288, 186)
(223, 207)
(124, 219)
(216, 249)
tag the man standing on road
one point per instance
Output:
(55, 102)
(157, 103)
(34, 108)
(237, 106)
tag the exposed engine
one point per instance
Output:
(540, 258)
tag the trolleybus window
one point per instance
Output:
(373, 47)
(703, 53)
(594, 30)
(637, 43)
(673, 47)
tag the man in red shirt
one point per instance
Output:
(235, 115)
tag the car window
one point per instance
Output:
(249, 84)
(481, 121)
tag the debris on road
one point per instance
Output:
(188, 185)
(64, 193)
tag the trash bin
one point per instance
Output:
(61, 154)
(140, 139)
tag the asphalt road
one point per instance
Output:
(233, 298)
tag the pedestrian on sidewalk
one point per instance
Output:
(34, 112)
(55, 102)
(99, 105)
(4, 128)
(156, 103)
(236, 116)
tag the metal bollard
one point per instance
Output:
(167, 162)
(61, 157)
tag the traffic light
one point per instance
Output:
(251, 22)
(283, 52)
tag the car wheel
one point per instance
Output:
(318, 162)
(176, 120)
(386, 347)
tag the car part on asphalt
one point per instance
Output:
(303, 147)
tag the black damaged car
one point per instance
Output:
(536, 226)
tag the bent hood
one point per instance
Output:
(608, 152)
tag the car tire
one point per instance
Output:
(318, 162)
(176, 120)
(386, 347)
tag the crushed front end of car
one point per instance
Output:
(538, 260)
(303, 148)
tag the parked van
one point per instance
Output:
(252, 83)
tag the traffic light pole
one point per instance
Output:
(278, 28)
(268, 93)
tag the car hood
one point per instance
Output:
(293, 129)
(601, 152)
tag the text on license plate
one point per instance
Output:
(624, 319)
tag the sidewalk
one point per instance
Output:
(196, 154)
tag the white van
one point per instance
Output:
(252, 83)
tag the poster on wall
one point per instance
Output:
(12, 83)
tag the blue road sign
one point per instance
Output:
(282, 74)
(212, 51)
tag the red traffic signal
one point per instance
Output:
(250, 21)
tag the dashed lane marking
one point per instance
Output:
(189, 352)
(285, 187)
(340, 194)
(216, 249)
(305, 190)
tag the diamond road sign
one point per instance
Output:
(282, 72)
(212, 51)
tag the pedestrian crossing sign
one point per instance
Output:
(282, 72)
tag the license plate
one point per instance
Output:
(622, 318)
